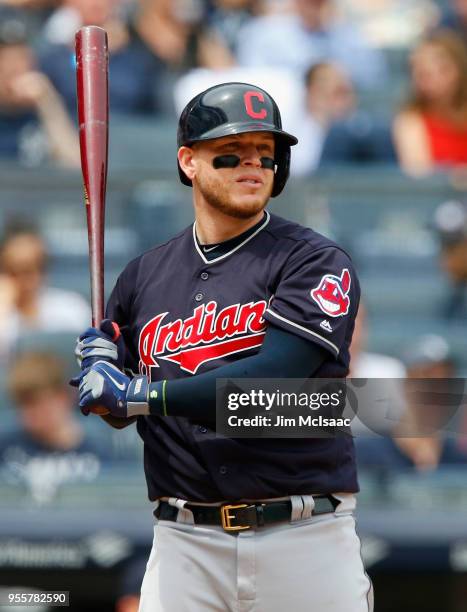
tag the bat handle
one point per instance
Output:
(97, 288)
(110, 328)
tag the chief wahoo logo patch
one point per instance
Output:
(331, 294)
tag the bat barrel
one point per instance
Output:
(92, 61)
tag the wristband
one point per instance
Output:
(157, 398)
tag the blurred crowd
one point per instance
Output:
(361, 82)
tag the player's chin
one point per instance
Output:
(251, 197)
(247, 206)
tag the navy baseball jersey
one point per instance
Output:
(182, 314)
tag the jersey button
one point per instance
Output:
(199, 297)
(223, 470)
(204, 275)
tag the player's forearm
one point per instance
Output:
(284, 356)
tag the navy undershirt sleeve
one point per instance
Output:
(282, 355)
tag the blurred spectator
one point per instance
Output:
(143, 52)
(455, 17)
(360, 138)
(430, 131)
(450, 224)
(429, 357)
(176, 32)
(225, 19)
(34, 13)
(34, 124)
(49, 448)
(419, 440)
(70, 15)
(390, 373)
(329, 97)
(334, 130)
(312, 32)
(27, 304)
(30, 4)
(392, 23)
(365, 364)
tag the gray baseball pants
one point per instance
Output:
(311, 564)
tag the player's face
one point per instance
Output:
(241, 192)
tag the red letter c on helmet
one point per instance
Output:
(260, 114)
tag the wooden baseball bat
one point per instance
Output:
(92, 80)
(92, 84)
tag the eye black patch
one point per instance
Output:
(226, 161)
(232, 161)
(268, 163)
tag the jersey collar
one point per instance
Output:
(234, 248)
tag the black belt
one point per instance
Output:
(237, 517)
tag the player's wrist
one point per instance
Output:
(157, 398)
(137, 397)
(145, 398)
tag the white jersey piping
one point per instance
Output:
(211, 261)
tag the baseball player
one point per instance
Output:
(241, 524)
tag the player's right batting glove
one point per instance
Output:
(104, 343)
(103, 385)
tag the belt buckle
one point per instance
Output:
(227, 518)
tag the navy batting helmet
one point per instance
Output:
(235, 108)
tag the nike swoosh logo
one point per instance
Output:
(120, 386)
(207, 249)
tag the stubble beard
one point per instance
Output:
(217, 196)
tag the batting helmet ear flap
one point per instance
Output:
(282, 159)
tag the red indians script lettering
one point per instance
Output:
(205, 336)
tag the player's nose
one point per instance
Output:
(251, 157)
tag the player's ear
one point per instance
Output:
(186, 161)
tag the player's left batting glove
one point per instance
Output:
(103, 343)
(103, 384)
